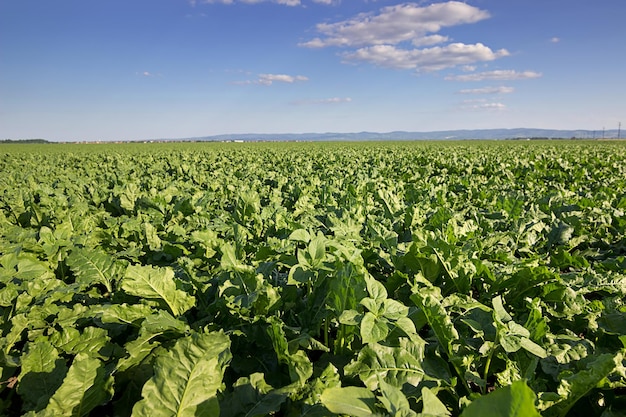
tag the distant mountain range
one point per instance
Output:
(484, 134)
(521, 133)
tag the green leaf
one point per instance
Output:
(162, 322)
(152, 237)
(429, 300)
(86, 386)
(30, 268)
(574, 387)
(90, 340)
(317, 250)
(253, 397)
(132, 314)
(394, 400)
(533, 348)
(186, 378)
(300, 235)
(351, 401)
(157, 283)
(350, 317)
(510, 342)
(500, 312)
(394, 365)
(138, 350)
(230, 261)
(432, 406)
(516, 400)
(376, 290)
(41, 375)
(373, 329)
(408, 327)
(93, 266)
(300, 367)
(394, 310)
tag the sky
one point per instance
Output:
(149, 69)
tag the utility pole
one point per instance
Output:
(602, 132)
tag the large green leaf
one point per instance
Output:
(253, 397)
(432, 406)
(429, 299)
(394, 400)
(516, 400)
(351, 401)
(90, 340)
(93, 266)
(394, 365)
(157, 283)
(186, 378)
(300, 367)
(373, 329)
(132, 314)
(137, 350)
(41, 375)
(230, 261)
(573, 387)
(86, 386)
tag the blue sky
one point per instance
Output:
(140, 69)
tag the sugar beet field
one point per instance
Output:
(298, 279)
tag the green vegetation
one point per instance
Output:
(24, 141)
(400, 279)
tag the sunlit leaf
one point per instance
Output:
(157, 283)
(186, 378)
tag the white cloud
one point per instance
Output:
(488, 90)
(332, 100)
(428, 59)
(482, 105)
(403, 37)
(555, 40)
(492, 106)
(501, 75)
(395, 24)
(147, 74)
(269, 79)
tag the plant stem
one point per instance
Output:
(326, 330)
(487, 365)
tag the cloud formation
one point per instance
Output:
(269, 79)
(395, 24)
(147, 74)
(332, 100)
(428, 59)
(500, 75)
(488, 90)
(405, 36)
(481, 104)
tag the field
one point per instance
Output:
(401, 279)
